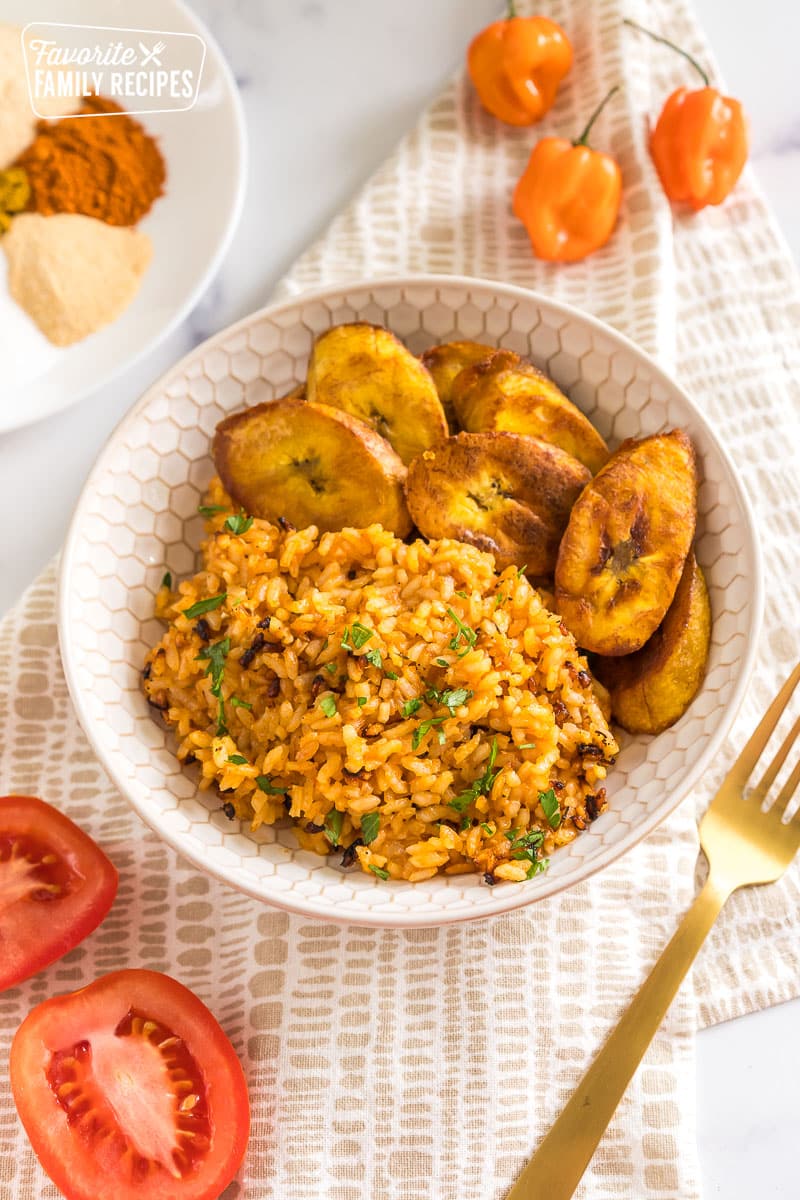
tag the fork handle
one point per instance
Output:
(558, 1165)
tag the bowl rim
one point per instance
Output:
(503, 899)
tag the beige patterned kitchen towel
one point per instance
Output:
(426, 1065)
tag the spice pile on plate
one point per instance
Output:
(71, 195)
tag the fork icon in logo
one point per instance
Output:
(149, 56)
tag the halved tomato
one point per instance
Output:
(56, 886)
(129, 1088)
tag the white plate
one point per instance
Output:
(138, 517)
(190, 226)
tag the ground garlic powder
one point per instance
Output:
(73, 274)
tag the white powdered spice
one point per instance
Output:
(73, 274)
(17, 118)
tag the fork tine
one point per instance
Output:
(742, 769)
(787, 791)
(766, 781)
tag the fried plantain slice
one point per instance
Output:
(445, 362)
(504, 391)
(502, 492)
(624, 548)
(311, 464)
(365, 371)
(652, 689)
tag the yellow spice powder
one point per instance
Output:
(73, 274)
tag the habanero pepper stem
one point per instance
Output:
(583, 140)
(656, 37)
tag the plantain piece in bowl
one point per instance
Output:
(624, 548)
(502, 492)
(311, 464)
(448, 360)
(504, 392)
(652, 688)
(365, 371)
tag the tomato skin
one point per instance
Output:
(73, 1161)
(33, 932)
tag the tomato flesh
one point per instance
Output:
(56, 886)
(129, 1087)
(139, 1086)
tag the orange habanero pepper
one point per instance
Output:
(568, 196)
(699, 144)
(517, 64)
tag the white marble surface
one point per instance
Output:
(368, 66)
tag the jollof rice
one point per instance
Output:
(400, 702)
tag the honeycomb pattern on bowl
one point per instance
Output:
(138, 517)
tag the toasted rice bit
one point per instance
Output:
(524, 680)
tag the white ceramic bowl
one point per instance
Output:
(137, 518)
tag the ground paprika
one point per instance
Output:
(96, 164)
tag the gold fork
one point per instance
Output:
(744, 846)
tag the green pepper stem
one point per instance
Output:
(582, 140)
(666, 42)
(512, 9)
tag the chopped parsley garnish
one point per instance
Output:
(525, 848)
(331, 668)
(370, 824)
(328, 705)
(357, 635)
(379, 871)
(455, 697)
(469, 635)
(441, 662)
(410, 707)
(239, 523)
(237, 703)
(499, 599)
(210, 510)
(333, 826)
(487, 829)
(238, 760)
(392, 675)
(552, 809)
(423, 728)
(167, 580)
(527, 746)
(465, 823)
(360, 634)
(268, 787)
(204, 606)
(361, 701)
(216, 655)
(522, 570)
(463, 595)
(479, 787)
